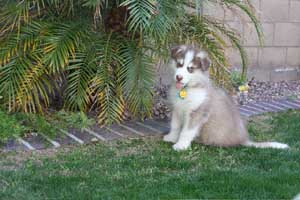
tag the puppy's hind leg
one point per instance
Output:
(176, 124)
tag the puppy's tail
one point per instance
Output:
(275, 145)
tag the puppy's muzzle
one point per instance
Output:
(179, 78)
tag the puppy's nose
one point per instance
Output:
(179, 78)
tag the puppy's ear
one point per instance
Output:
(177, 51)
(205, 62)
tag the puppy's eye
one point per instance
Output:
(179, 65)
(190, 69)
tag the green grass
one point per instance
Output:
(150, 169)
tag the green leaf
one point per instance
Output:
(139, 76)
(140, 14)
(80, 72)
(107, 82)
(61, 42)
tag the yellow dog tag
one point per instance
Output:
(182, 94)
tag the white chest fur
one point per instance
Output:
(195, 97)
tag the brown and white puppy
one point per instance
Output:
(201, 111)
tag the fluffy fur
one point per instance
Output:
(207, 114)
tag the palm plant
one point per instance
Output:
(101, 54)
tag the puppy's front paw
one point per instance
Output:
(170, 138)
(181, 146)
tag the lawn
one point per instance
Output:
(149, 169)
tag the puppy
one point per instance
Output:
(201, 111)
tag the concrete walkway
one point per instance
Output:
(131, 129)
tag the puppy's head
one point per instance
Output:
(191, 65)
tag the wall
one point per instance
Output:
(279, 58)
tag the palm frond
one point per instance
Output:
(235, 41)
(139, 76)
(163, 23)
(35, 86)
(27, 39)
(200, 31)
(23, 77)
(140, 13)
(106, 83)
(79, 74)
(9, 48)
(16, 13)
(10, 80)
(61, 42)
(63, 8)
(247, 8)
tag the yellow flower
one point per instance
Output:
(244, 88)
(183, 94)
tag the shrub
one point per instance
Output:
(9, 126)
(18, 124)
(100, 54)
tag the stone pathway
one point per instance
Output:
(132, 129)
